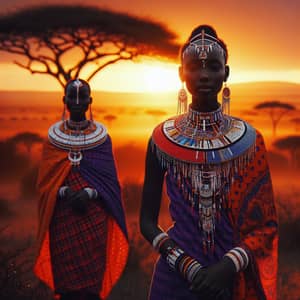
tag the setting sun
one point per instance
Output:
(142, 77)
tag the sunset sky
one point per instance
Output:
(262, 38)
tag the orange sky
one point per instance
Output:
(262, 38)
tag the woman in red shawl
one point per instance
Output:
(82, 237)
(223, 242)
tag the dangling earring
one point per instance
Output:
(226, 100)
(63, 117)
(182, 101)
(91, 115)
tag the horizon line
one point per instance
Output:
(159, 92)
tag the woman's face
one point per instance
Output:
(204, 77)
(77, 98)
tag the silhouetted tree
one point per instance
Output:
(296, 122)
(13, 164)
(276, 110)
(28, 139)
(46, 35)
(276, 161)
(291, 144)
(109, 118)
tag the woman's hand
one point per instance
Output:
(215, 281)
(78, 200)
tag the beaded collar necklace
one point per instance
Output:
(77, 137)
(204, 152)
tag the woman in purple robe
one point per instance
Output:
(223, 241)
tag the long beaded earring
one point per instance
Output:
(182, 101)
(91, 114)
(63, 117)
(226, 100)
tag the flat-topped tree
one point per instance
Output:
(45, 35)
(276, 111)
(292, 145)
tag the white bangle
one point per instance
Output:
(92, 192)
(239, 257)
(62, 191)
(158, 238)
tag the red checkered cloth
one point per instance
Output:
(78, 243)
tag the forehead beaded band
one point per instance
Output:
(77, 84)
(201, 44)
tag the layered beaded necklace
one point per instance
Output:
(77, 137)
(204, 152)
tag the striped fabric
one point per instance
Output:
(78, 243)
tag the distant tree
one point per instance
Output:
(291, 144)
(276, 110)
(276, 161)
(28, 139)
(109, 118)
(296, 122)
(46, 35)
(13, 164)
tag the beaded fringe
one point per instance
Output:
(206, 187)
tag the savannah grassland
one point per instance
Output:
(130, 119)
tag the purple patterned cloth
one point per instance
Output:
(167, 284)
(98, 169)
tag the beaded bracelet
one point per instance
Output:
(239, 257)
(62, 191)
(157, 241)
(176, 257)
(93, 194)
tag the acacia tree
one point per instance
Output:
(43, 36)
(276, 111)
(296, 122)
(291, 144)
(28, 139)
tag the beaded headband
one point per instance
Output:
(77, 84)
(201, 44)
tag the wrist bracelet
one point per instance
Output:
(158, 239)
(176, 257)
(93, 194)
(62, 191)
(239, 257)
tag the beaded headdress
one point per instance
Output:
(77, 84)
(201, 44)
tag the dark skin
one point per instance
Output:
(204, 80)
(77, 101)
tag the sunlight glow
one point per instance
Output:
(143, 76)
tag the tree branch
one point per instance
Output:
(105, 65)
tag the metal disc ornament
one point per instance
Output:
(75, 157)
